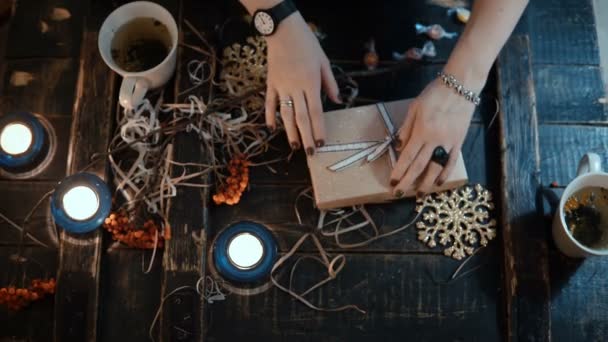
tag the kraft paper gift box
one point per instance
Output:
(341, 173)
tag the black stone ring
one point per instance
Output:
(440, 156)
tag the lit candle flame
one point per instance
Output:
(245, 251)
(80, 203)
(15, 138)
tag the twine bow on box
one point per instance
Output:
(368, 150)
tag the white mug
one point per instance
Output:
(135, 84)
(589, 174)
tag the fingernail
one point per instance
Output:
(310, 151)
(420, 194)
(440, 182)
(295, 146)
(340, 99)
(399, 194)
(320, 143)
(272, 128)
(394, 182)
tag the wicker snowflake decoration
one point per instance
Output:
(244, 69)
(459, 219)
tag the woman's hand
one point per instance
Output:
(437, 117)
(297, 69)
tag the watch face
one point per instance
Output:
(263, 23)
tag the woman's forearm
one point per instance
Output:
(490, 25)
(253, 5)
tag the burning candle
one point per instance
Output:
(245, 251)
(81, 203)
(23, 141)
(16, 138)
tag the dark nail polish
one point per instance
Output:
(394, 182)
(420, 194)
(399, 194)
(320, 143)
(272, 128)
(295, 146)
(310, 151)
(440, 182)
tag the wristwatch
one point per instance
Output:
(265, 21)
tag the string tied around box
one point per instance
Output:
(368, 150)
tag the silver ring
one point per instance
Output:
(287, 103)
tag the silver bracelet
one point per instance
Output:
(451, 82)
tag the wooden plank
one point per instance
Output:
(18, 198)
(563, 146)
(130, 297)
(77, 298)
(524, 235)
(49, 28)
(182, 315)
(563, 32)
(570, 94)
(578, 306)
(44, 86)
(34, 323)
(399, 292)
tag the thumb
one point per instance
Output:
(329, 83)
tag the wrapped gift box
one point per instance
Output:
(355, 164)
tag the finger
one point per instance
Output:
(289, 121)
(406, 158)
(271, 108)
(425, 186)
(329, 83)
(315, 110)
(449, 167)
(414, 171)
(405, 132)
(303, 122)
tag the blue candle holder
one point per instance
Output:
(14, 126)
(81, 187)
(251, 234)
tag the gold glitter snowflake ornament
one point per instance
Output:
(458, 218)
(244, 69)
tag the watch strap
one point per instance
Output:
(282, 10)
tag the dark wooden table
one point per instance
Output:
(547, 80)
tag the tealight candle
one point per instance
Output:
(16, 138)
(80, 203)
(24, 142)
(245, 251)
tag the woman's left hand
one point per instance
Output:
(437, 117)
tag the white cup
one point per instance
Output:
(589, 174)
(135, 84)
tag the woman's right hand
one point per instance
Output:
(297, 70)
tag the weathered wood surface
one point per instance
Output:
(77, 297)
(563, 32)
(403, 300)
(525, 238)
(49, 28)
(569, 94)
